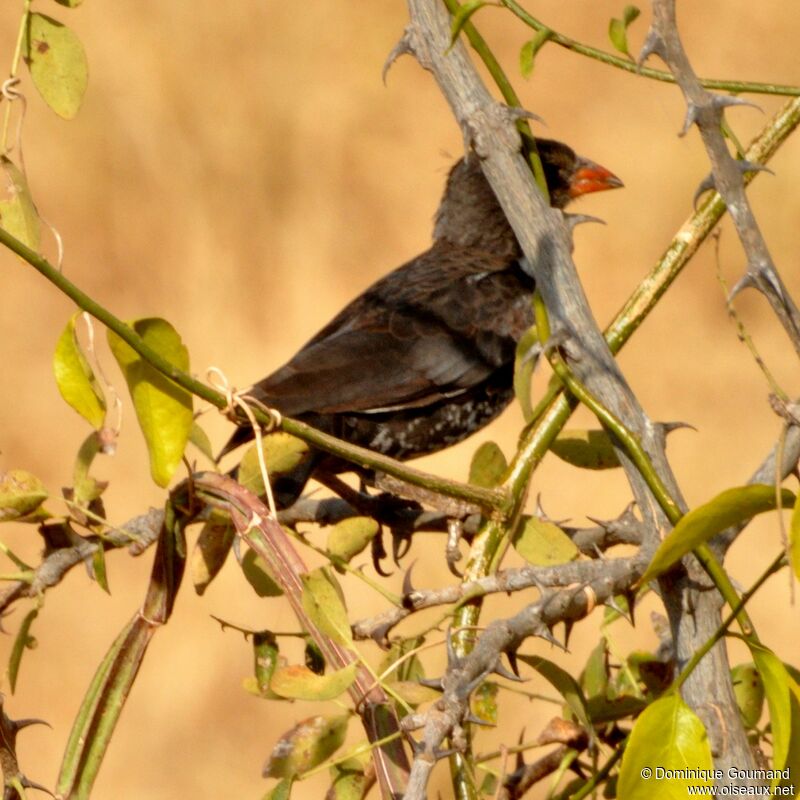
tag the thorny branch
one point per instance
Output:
(706, 110)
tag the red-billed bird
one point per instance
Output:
(425, 356)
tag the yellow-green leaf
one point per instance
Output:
(18, 214)
(282, 453)
(348, 781)
(484, 702)
(731, 507)
(20, 494)
(309, 743)
(618, 29)
(529, 50)
(776, 680)
(668, 735)
(281, 791)
(323, 601)
(564, 684)
(350, 536)
(413, 693)
(75, 379)
(586, 449)
(199, 438)
(258, 576)
(57, 62)
(543, 543)
(794, 538)
(297, 682)
(212, 548)
(23, 642)
(488, 466)
(163, 409)
(749, 690)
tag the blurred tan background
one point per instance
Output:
(241, 170)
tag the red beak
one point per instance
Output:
(590, 177)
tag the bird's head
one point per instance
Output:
(469, 213)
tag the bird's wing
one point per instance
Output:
(430, 330)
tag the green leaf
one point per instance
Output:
(281, 791)
(462, 16)
(22, 642)
(669, 736)
(527, 55)
(323, 601)
(210, 552)
(75, 379)
(776, 680)
(199, 438)
(792, 767)
(21, 493)
(350, 536)
(99, 569)
(309, 743)
(749, 690)
(586, 449)
(265, 656)
(297, 682)
(258, 576)
(794, 538)
(57, 63)
(731, 507)
(564, 684)
(618, 29)
(488, 466)
(524, 364)
(163, 409)
(282, 453)
(348, 781)
(543, 543)
(594, 677)
(18, 214)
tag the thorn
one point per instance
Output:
(653, 44)
(501, 670)
(402, 48)
(19, 724)
(612, 603)
(706, 185)
(440, 754)
(431, 683)
(520, 760)
(548, 635)
(474, 719)
(689, 119)
(630, 598)
(408, 588)
(751, 166)
(515, 113)
(511, 655)
(669, 427)
(399, 539)
(724, 100)
(573, 220)
(568, 626)
(745, 282)
(29, 784)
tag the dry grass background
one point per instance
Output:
(241, 170)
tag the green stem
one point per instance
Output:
(646, 72)
(509, 95)
(726, 623)
(485, 498)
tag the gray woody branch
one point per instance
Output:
(546, 243)
(706, 110)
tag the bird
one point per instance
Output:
(424, 357)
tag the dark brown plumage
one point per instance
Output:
(425, 356)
